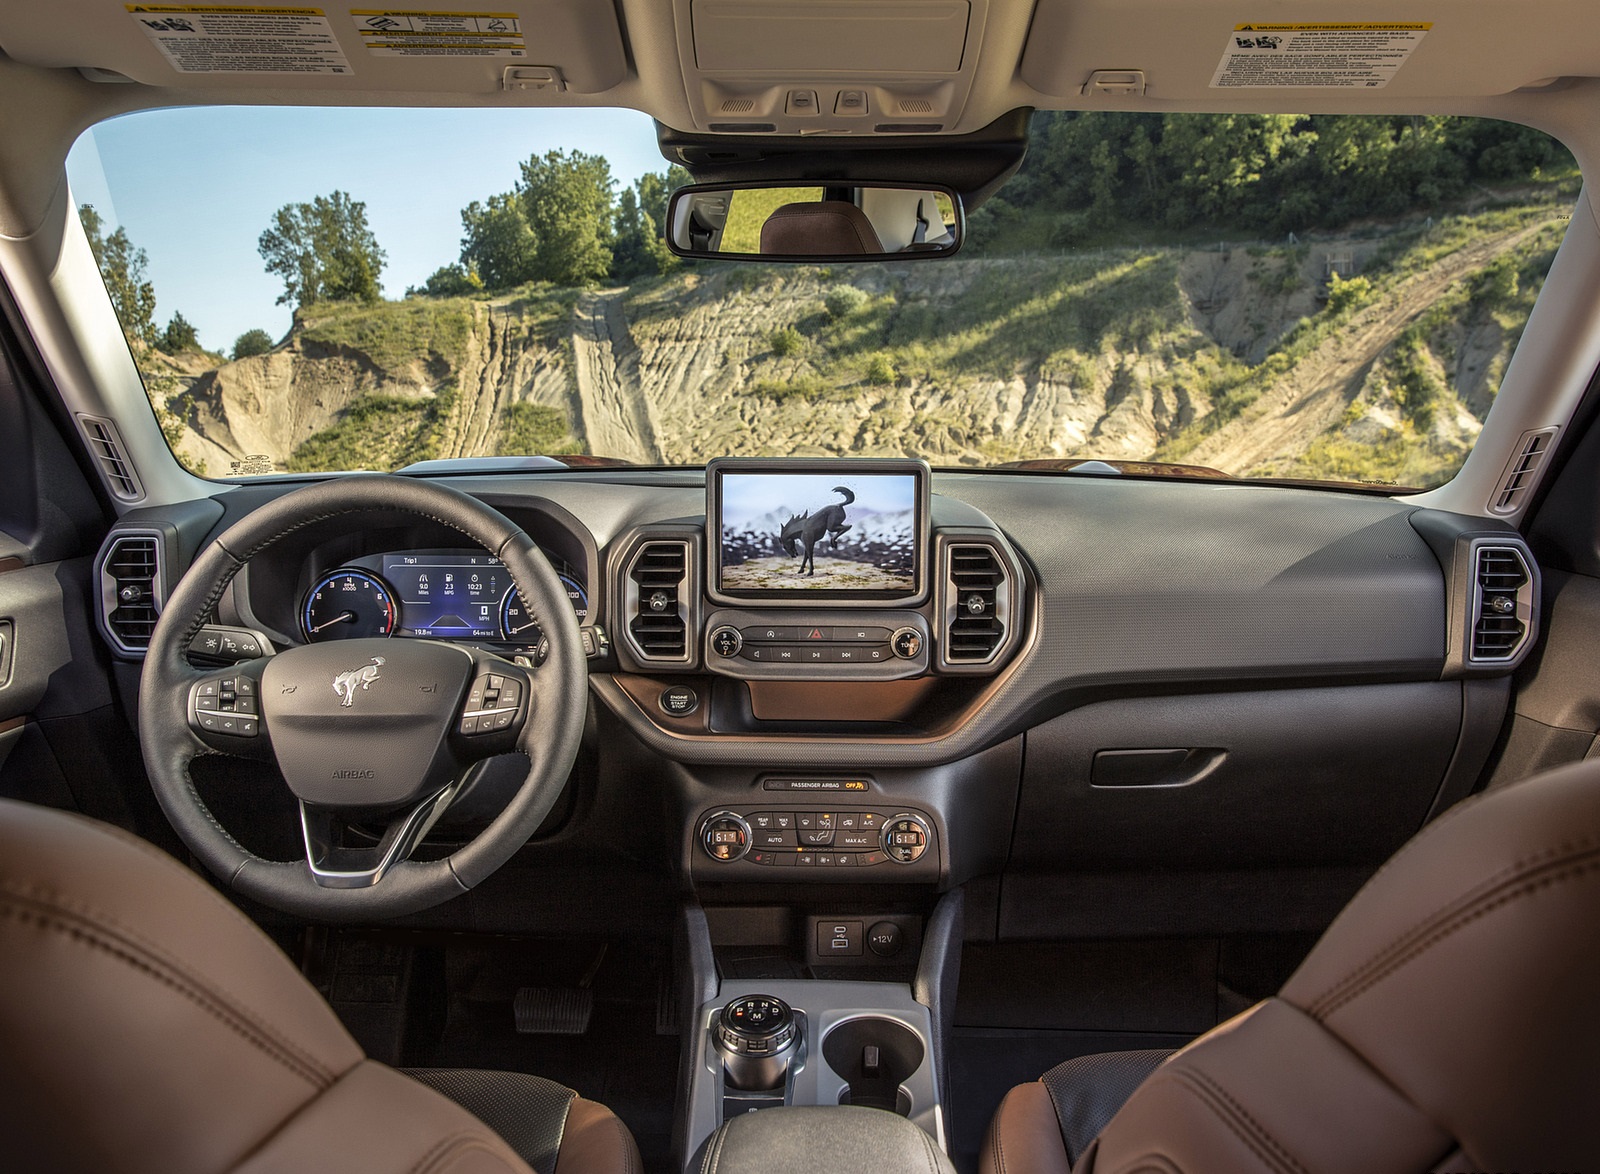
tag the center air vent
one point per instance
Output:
(1502, 603)
(977, 606)
(657, 601)
(131, 590)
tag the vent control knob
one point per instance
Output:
(659, 601)
(726, 641)
(1502, 604)
(130, 594)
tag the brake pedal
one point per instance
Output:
(542, 1010)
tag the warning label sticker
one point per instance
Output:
(390, 33)
(1316, 56)
(202, 39)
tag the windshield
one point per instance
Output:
(1295, 297)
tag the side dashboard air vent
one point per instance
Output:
(1523, 472)
(131, 590)
(657, 595)
(1502, 602)
(107, 449)
(978, 603)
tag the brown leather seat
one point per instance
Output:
(146, 1025)
(1447, 1021)
(831, 228)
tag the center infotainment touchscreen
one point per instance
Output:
(818, 530)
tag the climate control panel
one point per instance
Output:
(833, 840)
(853, 645)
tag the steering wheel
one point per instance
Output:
(375, 732)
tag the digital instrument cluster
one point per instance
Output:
(443, 594)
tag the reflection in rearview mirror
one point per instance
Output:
(838, 222)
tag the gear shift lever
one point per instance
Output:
(756, 1036)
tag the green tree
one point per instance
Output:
(640, 249)
(497, 244)
(179, 336)
(324, 251)
(252, 342)
(566, 197)
(449, 281)
(123, 266)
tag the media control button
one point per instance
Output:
(907, 643)
(860, 635)
(726, 641)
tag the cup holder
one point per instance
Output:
(876, 1056)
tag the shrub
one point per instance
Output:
(844, 300)
(1348, 295)
(252, 342)
(786, 342)
(178, 337)
(880, 371)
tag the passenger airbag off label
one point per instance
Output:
(1315, 56)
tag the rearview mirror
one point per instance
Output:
(842, 221)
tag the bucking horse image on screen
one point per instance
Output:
(807, 529)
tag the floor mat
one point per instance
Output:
(620, 1061)
(986, 1063)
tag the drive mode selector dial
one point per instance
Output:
(905, 838)
(725, 837)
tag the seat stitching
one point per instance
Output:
(441, 1148)
(218, 1007)
(626, 1139)
(1424, 937)
(101, 921)
(1238, 1120)
(1509, 874)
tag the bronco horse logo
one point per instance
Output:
(346, 683)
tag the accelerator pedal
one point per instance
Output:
(548, 1010)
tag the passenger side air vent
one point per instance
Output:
(1523, 471)
(106, 448)
(978, 603)
(657, 601)
(131, 590)
(1502, 597)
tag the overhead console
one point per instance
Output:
(821, 570)
(844, 67)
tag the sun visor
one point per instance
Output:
(829, 67)
(1393, 48)
(443, 46)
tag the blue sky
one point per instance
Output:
(196, 187)
(747, 496)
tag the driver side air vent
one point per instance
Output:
(1502, 603)
(977, 607)
(131, 590)
(657, 595)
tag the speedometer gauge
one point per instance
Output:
(347, 604)
(521, 628)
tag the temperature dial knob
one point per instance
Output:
(725, 837)
(905, 838)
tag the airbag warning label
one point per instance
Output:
(396, 33)
(1316, 56)
(201, 39)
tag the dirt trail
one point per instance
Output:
(613, 416)
(1313, 395)
(482, 384)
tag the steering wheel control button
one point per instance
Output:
(885, 939)
(726, 641)
(678, 701)
(907, 643)
(906, 838)
(493, 702)
(725, 837)
(226, 705)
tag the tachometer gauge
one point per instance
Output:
(519, 628)
(346, 604)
